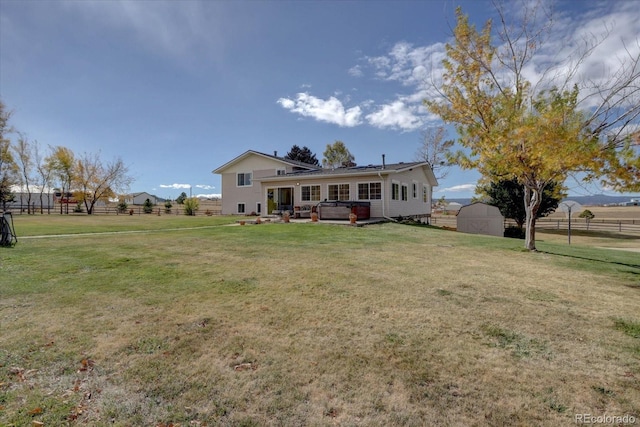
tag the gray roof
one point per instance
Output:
(353, 170)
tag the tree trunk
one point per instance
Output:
(532, 202)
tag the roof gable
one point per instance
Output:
(250, 153)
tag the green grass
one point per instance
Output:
(37, 225)
(195, 323)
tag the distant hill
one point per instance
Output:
(601, 199)
(594, 200)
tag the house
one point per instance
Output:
(452, 207)
(139, 198)
(268, 184)
(21, 198)
(480, 218)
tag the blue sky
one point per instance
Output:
(178, 88)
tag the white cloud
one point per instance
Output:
(176, 186)
(462, 188)
(355, 71)
(287, 103)
(204, 186)
(409, 65)
(330, 110)
(397, 115)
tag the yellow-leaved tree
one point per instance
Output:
(535, 133)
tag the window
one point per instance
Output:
(310, 193)
(244, 179)
(375, 191)
(241, 208)
(259, 207)
(339, 192)
(369, 191)
(425, 194)
(405, 191)
(281, 171)
(363, 191)
(415, 190)
(395, 191)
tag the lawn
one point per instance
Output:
(180, 322)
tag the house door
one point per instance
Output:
(280, 199)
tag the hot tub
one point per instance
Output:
(340, 209)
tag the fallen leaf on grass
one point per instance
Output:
(245, 367)
(35, 411)
(86, 364)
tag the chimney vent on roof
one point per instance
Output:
(383, 163)
(275, 153)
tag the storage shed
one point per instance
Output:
(480, 218)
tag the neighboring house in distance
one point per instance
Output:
(263, 183)
(139, 198)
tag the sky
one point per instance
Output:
(177, 88)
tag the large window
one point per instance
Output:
(310, 193)
(241, 208)
(414, 190)
(395, 191)
(244, 179)
(338, 191)
(405, 191)
(425, 194)
(369, 191)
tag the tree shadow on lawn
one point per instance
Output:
(599, 260)
(590, 233)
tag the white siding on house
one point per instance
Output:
(413, 181)
(232, 194)
(412, 206)
(139, 199)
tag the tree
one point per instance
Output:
(434, 149)
(147, 206)
(191, 205)
(44, 173)
(337, 155)
(535, 133)
(303, 155)
(181, 198)
(507, 195)
(62, 164)
(587, 215)
(122, 206)
(95, 180)
(8, 168)
(24, 155)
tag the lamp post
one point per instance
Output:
(567, 206)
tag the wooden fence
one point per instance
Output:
(626, 226)
(112, 210)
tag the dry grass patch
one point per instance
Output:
(303, 324)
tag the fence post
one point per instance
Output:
(620, 226)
